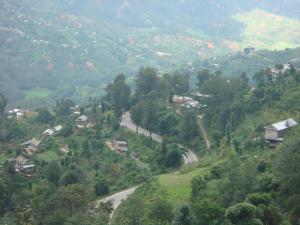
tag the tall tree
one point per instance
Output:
(54, 172)
(119, 93)
(288, 172)
(146, 81)
(161, 212)
(3, 103)
(151, 112)
(137, 113)
(203, 76)
(183, 216)
(189, 127)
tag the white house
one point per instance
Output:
(275, 131)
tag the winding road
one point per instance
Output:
(189, 157)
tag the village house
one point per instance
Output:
(120, 145)
(31, 147)
(58, 128)
(22, 164)
(76, 110)
(186, 102)
(274, 132)
(275, 72)
(17, 113)
(48, 133)
(82, 121)
(201, 95)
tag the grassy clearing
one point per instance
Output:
(264, 30)
(48, 156)
(37, 93)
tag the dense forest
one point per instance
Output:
(238, 180)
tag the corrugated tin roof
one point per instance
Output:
(82, 118)
(285, 124)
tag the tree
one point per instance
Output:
(63, 107)
(101, 188)
(151, 112)
(137, 113)
(180, 83)
(146, 81)
(44, 116)
(3, 103)
(160, 212)
(198, 187)
(183, 216)
(71, 177)
(119, 93)
(53, 172)
(288, 172)
(73, 198)
(173, 158)
(243, 214)
(5, 198)
(189, 127)
(202, 76)
(207, 212)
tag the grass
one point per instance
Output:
(264, 30)
(37, 93)
(48, 156)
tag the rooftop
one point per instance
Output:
(285, 124)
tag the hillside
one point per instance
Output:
(238, 63)
(72, 49)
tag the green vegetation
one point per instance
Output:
(267, 31)
(241, 180)
(37, 93)
(59, 49)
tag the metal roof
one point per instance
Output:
(285, 124)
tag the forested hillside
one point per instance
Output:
(72, 49)
(246, 62)
(241, 178)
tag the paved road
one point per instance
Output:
(116, 199)
(129, 124)
(189, 158)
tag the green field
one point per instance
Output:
(264, 30)
(37, 93)
(48, 156)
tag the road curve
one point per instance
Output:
(129, 124)
(116, 199)
(189, 157)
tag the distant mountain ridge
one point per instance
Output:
(72, 49)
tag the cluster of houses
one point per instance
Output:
(275, 72)
(118, 144)
(34, 146)
(186, 102)
(17, 113)
(82, 121)
(274, 133)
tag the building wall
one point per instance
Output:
(271, 134)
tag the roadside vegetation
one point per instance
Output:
(238, 180)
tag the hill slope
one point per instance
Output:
(71, 49)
